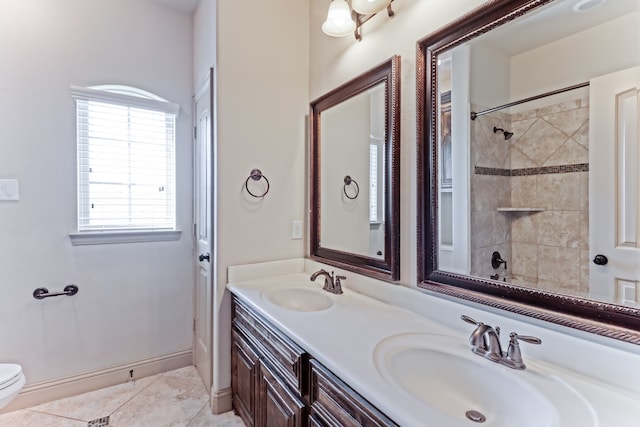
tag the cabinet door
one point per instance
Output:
(244, 374)
(278, 406)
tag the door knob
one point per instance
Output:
(600, 260)
(206, 256)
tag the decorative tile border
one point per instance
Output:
(492, 171)
(543, 170)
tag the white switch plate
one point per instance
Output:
(296, 229)
(9, 189)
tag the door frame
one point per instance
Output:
(206, 87)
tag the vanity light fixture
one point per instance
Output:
(369, 7)
(342, 20)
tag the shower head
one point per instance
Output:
(506, 133)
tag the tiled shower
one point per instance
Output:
(530, 196)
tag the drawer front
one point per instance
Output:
(333, 403)
(286, 358)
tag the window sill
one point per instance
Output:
(111, 237)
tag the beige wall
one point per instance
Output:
(262, 101)
(490, 76)
(345, 151)
(551, 67)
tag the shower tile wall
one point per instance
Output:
(550, 149)
(548, 162)
(491, 230)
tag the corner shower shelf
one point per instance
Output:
(525, 209)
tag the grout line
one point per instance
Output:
(54, 415)
(197, 413)
(138, 392)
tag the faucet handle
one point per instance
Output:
(338, 279)
(525, 338)
(470, 320)
(513, 358)
(475, 322)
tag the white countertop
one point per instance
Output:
(343, 338)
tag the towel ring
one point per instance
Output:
(348, 181)
(256, 175)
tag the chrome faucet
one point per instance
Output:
(485, 341)
(331, 283)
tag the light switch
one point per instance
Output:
(9, 189)
(296, 230)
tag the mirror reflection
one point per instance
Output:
(538, 152)
(352, 183)
(355, 147)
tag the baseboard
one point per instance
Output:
(46, 391)
(221, 401)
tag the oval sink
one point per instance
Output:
(465, 389)
(298, 299)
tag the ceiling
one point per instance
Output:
(187, 6)
(552, 23)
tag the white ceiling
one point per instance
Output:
(187, 6)
(552, 23)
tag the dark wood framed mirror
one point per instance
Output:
(355, 149)
(492, 61)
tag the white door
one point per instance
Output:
(614, 187)
(203, 227)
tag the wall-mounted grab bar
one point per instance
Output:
(42, 293)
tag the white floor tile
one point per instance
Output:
(173, 399)
(96, 404)
(28, 418)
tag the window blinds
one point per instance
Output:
(126, 162)
(373, 182)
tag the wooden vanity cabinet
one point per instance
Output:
(275, 384)
(269, 372)
(334, 404)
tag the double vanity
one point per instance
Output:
(518, 320)
(380, 354)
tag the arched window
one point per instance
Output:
(126, 159)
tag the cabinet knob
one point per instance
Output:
(206, 256)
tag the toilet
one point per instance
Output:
(11, 382)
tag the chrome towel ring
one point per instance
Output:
(256, 175)
(347, 182)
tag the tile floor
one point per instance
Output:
(173, 399)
